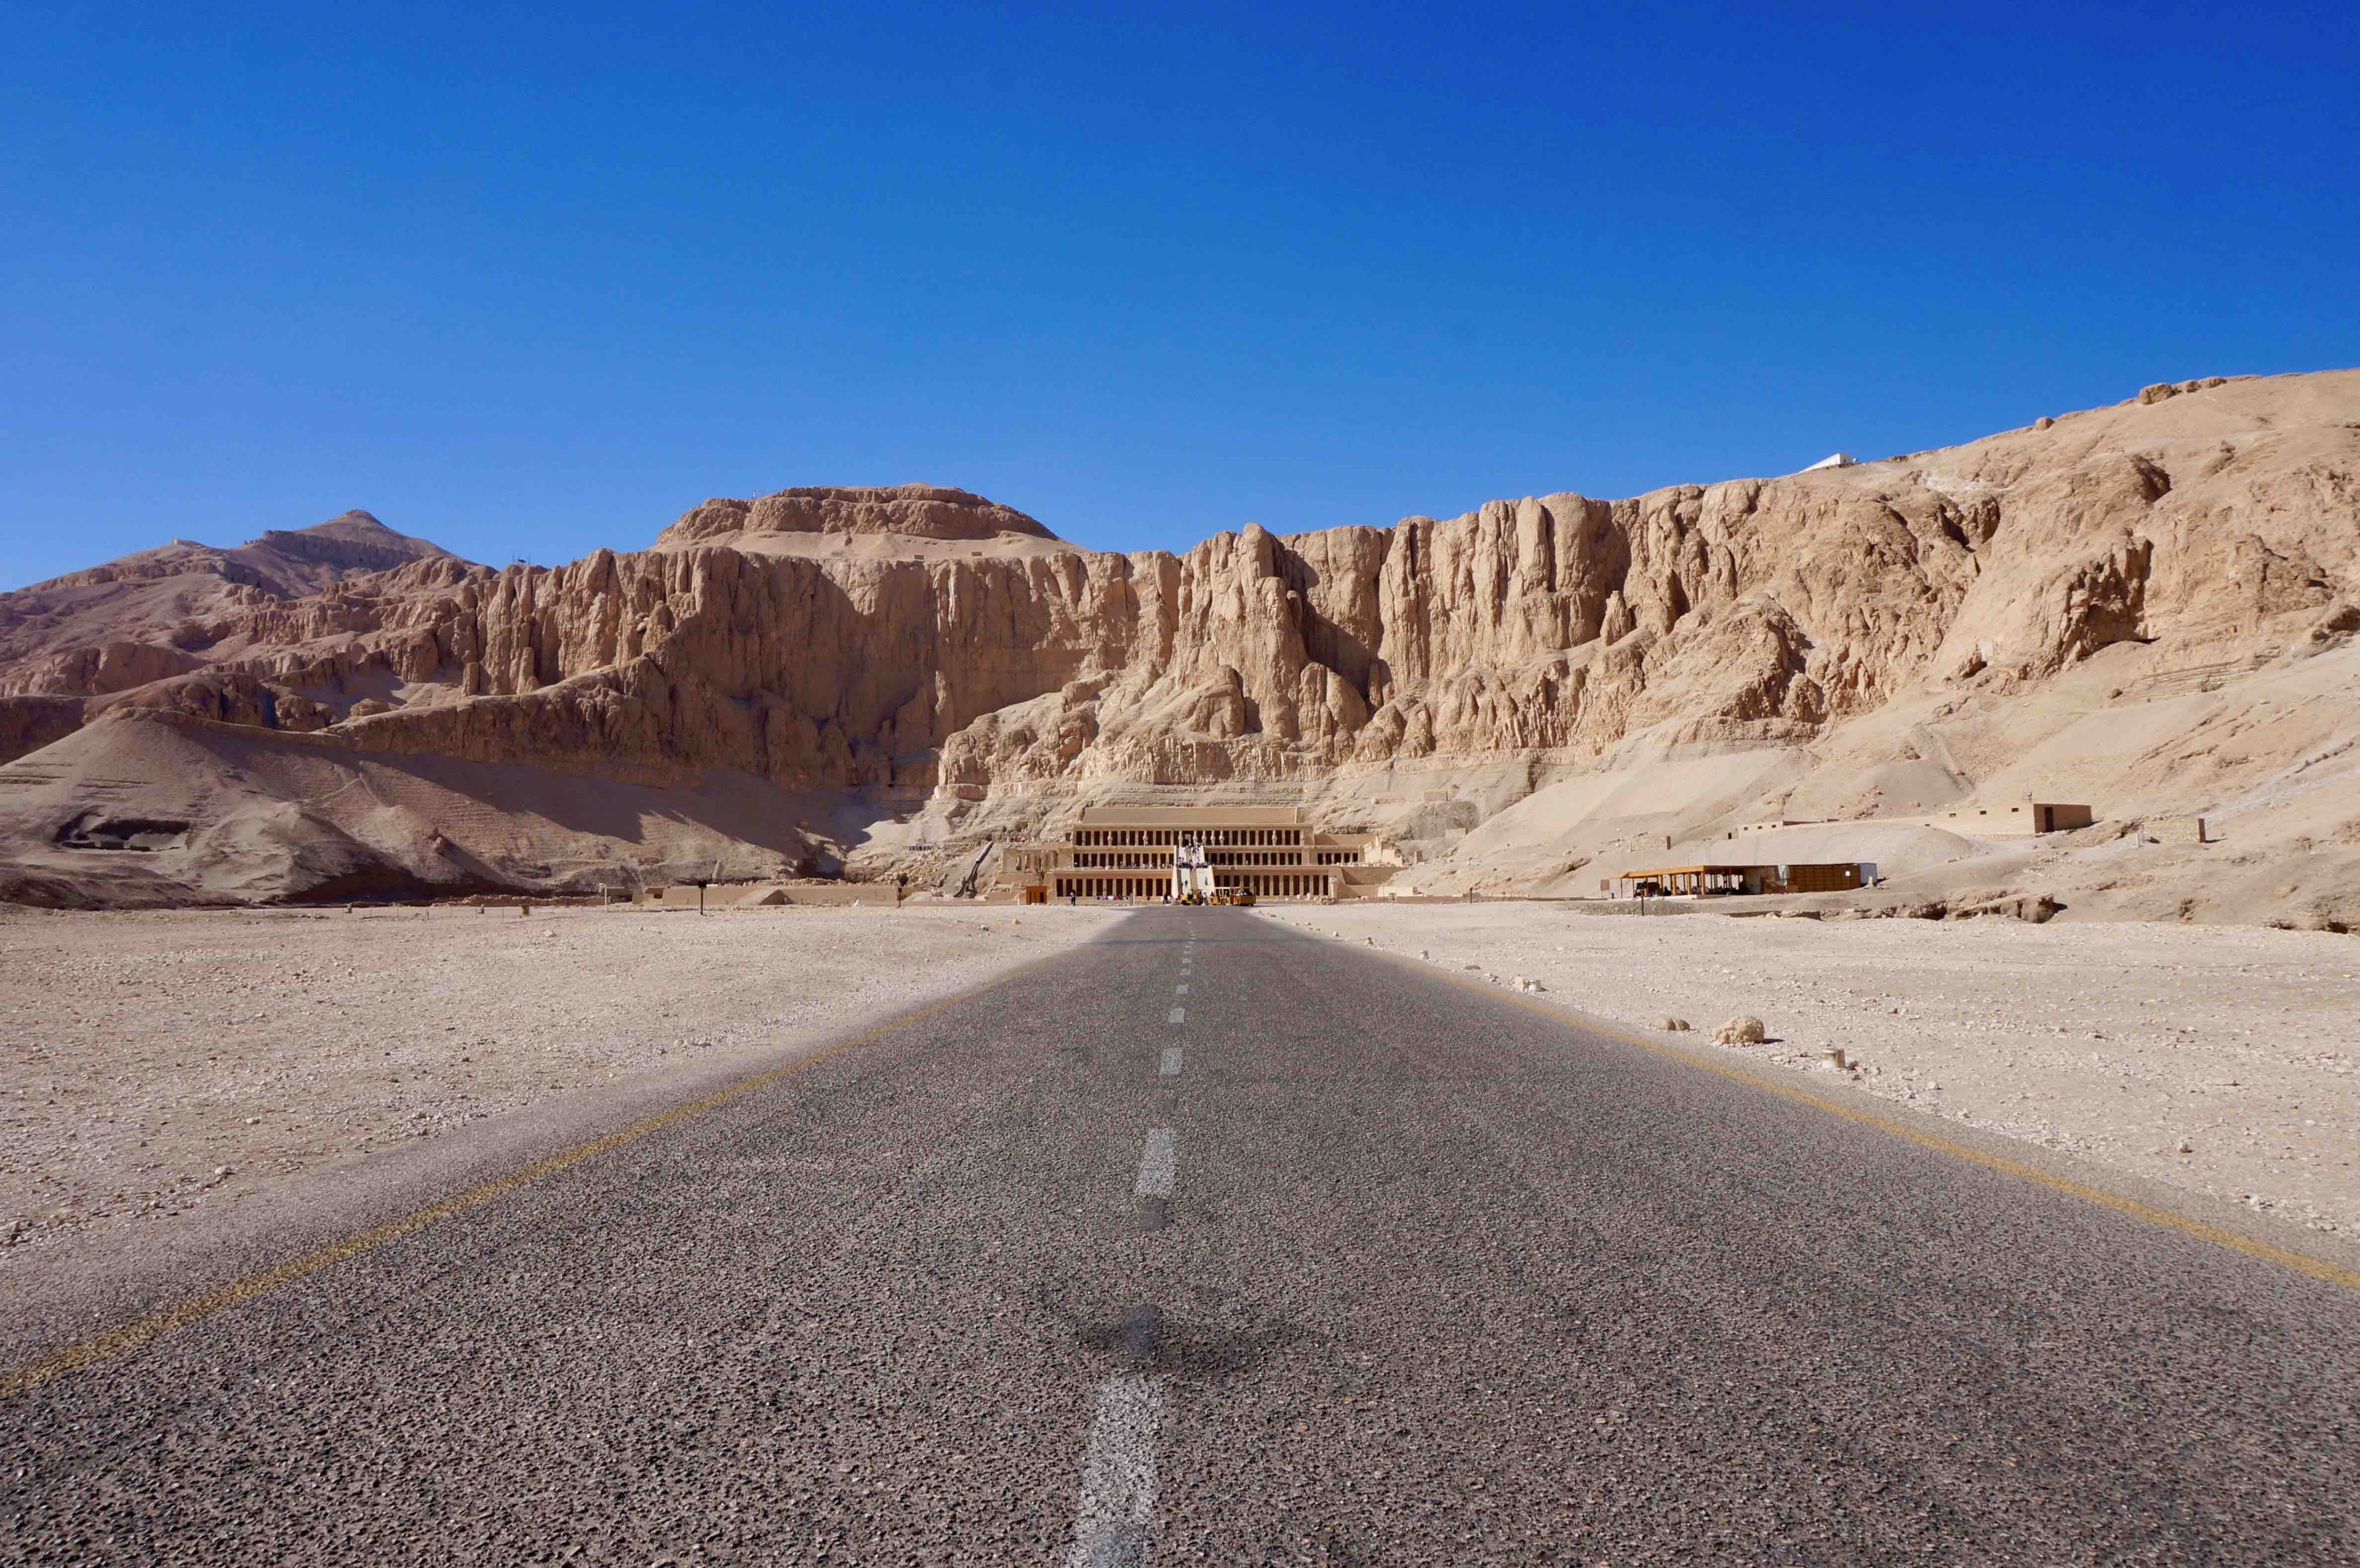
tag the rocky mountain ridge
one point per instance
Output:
(144, 617)
(1526, 641)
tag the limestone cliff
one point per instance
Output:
(985, 658)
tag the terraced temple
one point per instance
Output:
(1125, 852)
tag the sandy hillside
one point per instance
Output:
(229, 814)
(2223, 1061)
(155, 1066)
(2269, 756)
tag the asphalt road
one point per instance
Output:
(1322, 1260)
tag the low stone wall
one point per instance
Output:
(1637, 908)
(2175, 829)
(742, 895)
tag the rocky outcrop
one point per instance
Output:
(28, 724)
(910, 511)
(2160, 390)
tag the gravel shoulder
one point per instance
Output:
(2214, 1058)
(159, 1071)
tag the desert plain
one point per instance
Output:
(161, 1072)
(2218, 1060)
(161, 1069)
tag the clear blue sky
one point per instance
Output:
(526, 282)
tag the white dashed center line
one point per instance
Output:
(1116, 1514)
(1114, 1523)
(1158, 1163)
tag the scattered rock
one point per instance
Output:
(2033, 909)
(1672, 1025)
(1740, 1031)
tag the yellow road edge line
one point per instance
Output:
(2300, 1263)
(132, 1335)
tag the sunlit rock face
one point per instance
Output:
(915, 637)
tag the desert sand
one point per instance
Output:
(156, 1066)
(2218, 1060)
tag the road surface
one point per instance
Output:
(1210, 1242)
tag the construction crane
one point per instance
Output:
(967, 888)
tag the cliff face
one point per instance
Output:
(1752, 610)
(1741, 614)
